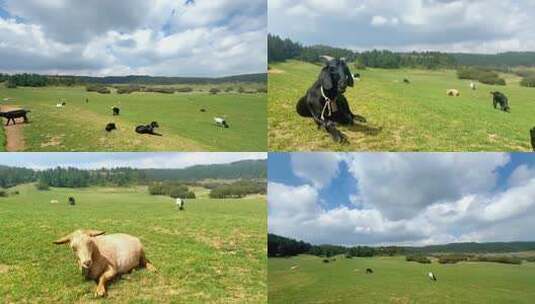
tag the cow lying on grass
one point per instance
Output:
(148, 129)
(103, 257)
(324, 101)
(498, 98)
(110, 127)
(12, 115)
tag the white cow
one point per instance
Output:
(432, 276)
(54, 201)
(472, 85)
(180, 204)
(220, 122)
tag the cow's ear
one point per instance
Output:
(63, 240)
(326, 79)
(350, 81)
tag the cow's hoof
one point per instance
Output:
(100, 292)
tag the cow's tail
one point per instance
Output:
(302, 108)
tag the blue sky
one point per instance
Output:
(135, 160)
(402, 198)
(133, 37)
(480, 26)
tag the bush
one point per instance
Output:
(11, 84)
(98, 88)
(3, 193)
(482, 75)
(238, 189)
(261, 90)
(452, 259)
(229, 89)
(128, 89)
(161, 90)
(15, 192)
(214, 91)
(42, 185)
(499, 259)
(184, 90)
(326, 260)
(172, 189)
(418, 258)
(530, 259)
(528, 81)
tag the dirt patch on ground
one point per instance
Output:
(14, 134)
(275, 71)
(4, 268)
(52, 142)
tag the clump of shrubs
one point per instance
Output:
(214, 91)
(42, 185)
(418, 258)
(172, 189)
(97, 88)
(326, 260)
(498, 259)
(452, 258)
(261, 90)
(184, 90)
(3, 193)
(528, 81)
(482, 75)
(238, 189)
(129, 89)
(161, 90)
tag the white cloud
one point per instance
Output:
(161, 37)
(486, 26)
(318, 168)
(410, 199)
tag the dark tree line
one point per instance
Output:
(10, 176)
(76, 178)
(35, 80)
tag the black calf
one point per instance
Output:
(72, 201)
(325, 102)
(369, 270)
(12, 115)
(110, 127)
(148, 129)
(116, 111)
(499, 98)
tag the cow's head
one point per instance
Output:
(82, 245)
(336, 74)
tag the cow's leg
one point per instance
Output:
(107, 276)
(25, 118)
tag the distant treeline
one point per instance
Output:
(283, 49)
(35, 80)
(72, 177)
(279, 246)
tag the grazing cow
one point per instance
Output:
(110, 127)
(472, 86)
(532, 135)
(72, 202)
(12, 115)
(221, 122)
(498, 98)
(453, 92)
(104, 257)
(61, 105)
(115, 111)
(431, 276)
(180, 203)
(406, 81)
(369, 270)
(148, 129)
(203, 110)
(324, 101)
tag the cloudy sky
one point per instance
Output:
(124, 37)
(480, 26)
(402, 198)
(112, 160)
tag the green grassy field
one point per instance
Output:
(396, 281)
(415, 117)
(213, 252)
(80, 126)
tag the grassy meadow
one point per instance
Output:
(80, 126)
(403, 117)
(396, 281)
(213, 252)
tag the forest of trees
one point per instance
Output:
(239, 189)
(283, 49)
(279, 246)
(72, 177)
(35, 80)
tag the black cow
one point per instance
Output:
(369, 270)
(325, 102)
(12, 115)
(110, 127)
(532, 134)
(405, 80)
(148, 129)
(115, 111)
(72, 202)
(498, 98)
